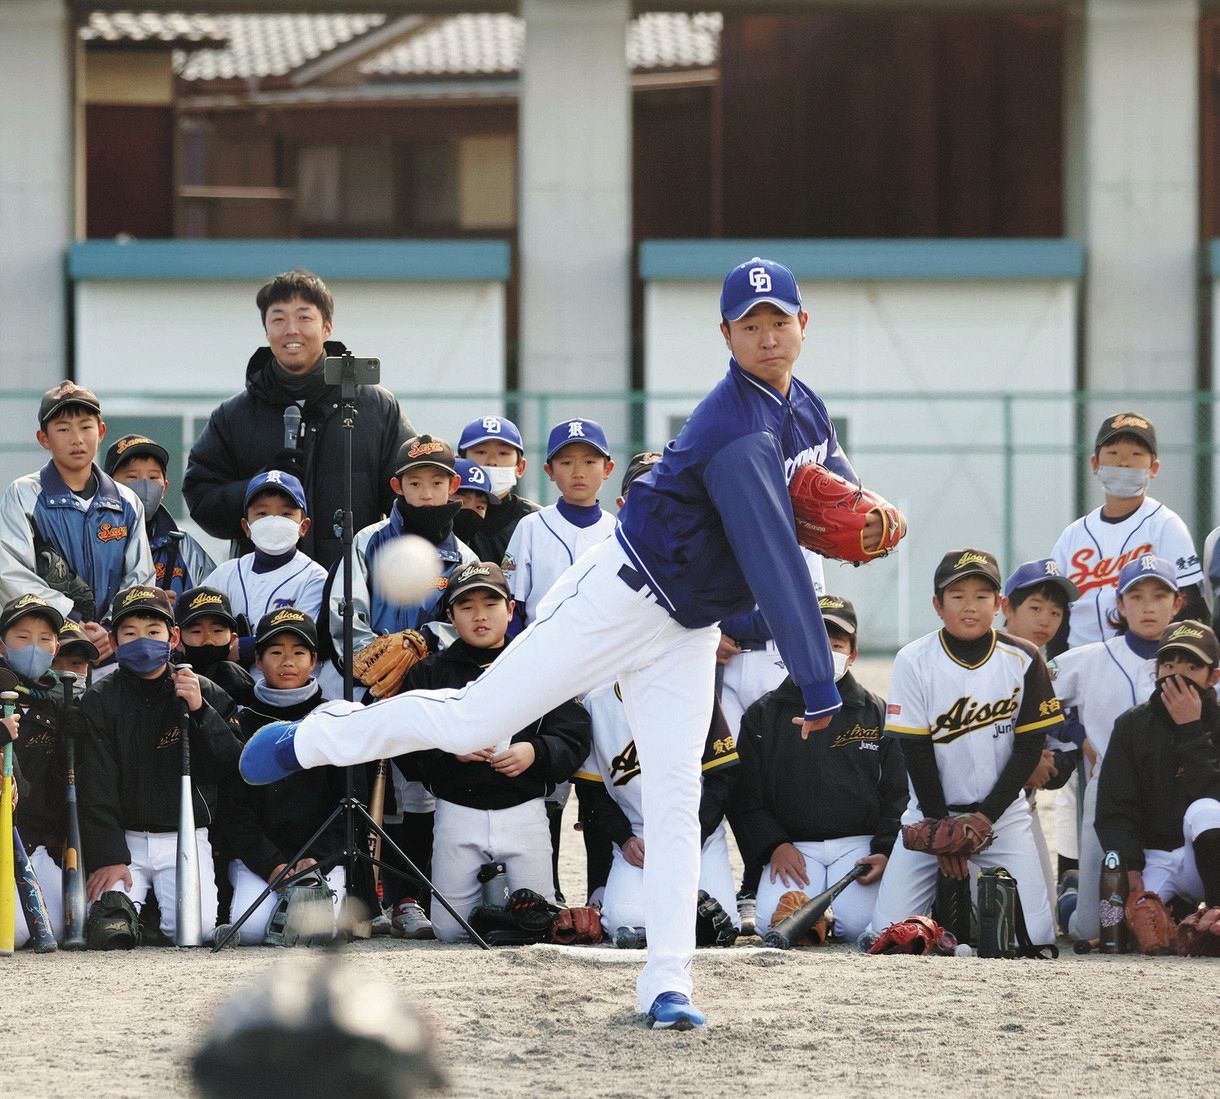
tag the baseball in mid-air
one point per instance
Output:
(406, 569)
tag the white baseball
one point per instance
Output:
(406, 569)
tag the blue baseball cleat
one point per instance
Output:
(269, 754)
(674, 1011)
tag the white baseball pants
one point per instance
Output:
(1172, 874)
(154, 862)
(826, 861)
(247, 885)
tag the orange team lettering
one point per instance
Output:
(1087, 575)
(107, 533)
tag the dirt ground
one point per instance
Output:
(555, 1021)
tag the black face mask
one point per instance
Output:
(467, 523)
(435, 524)
(203, 657)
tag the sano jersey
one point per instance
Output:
(1092, 552)
(971, 712)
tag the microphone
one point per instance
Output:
(292, 427)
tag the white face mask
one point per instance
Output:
(503, 478)
(1123, 481)
(840, 660)
(275, 534)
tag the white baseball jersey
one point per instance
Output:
(297, 583)
(972, 713)
(1102, 681)
(613, 759)
(1092, 552)
(541, 549)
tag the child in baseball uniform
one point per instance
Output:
(264, 826)
(1158, 798)
(29, 638)
(207, 631)
(142, 464)
(972, 707)
(473, 493)
(131, 763)
(75, 654)
(489, 803)
(275, 573)
(810, 810)
(494, 442)
(1103, 680)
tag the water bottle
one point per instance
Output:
(1112, 895)
(493, 876)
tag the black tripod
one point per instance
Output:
(342, 370)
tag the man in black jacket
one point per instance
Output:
(1158, 799)
(246, 434)
(812, 809)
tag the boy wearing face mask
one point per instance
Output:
(812, 809)
(208, 635)
(131, 765)
(76, 652)
(1093, 550)
(141, 464)
(495, 443)
(29, 628)
(276, 574)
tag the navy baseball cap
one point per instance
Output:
(487, 428)
(474, 478)
(577, 430)
(279, 481)
(1147, 567)
(135, 446)
(1029, 574)
(756, 281)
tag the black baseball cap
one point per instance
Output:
(286, 620)
(838, 612)
(1126, 423)
(425, 450)
(203, 602)
(70, 633)
(639, 465)
(66, 395)
(478, 574)
(958, 564)
(29, 604)
(1192, 637)
(134, 446)
(141, 600)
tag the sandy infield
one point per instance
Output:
(554, 1021)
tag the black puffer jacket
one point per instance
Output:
(246, 432)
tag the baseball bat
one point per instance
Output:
(377, 812)
(76, 905)
(792, 927)
(188, 930)
(33, 904)
(8, 895)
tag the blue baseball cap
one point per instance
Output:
(1147, 567)
(487, 428)
(577, 430)
(474, 478)
(281, 482)
(1046, 570)
(755, 281)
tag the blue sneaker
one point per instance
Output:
(269, 755)
(674, 1011)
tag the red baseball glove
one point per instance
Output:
(914, 935)
(1199, 934)
(831, 513)
(577, 925)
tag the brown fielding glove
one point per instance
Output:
(1150, 922)
(577, 925)
(918, 836)
(831, 512)
(382, 665)
(791, 902)
(1199, 934)
(962, 834)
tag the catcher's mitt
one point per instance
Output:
(961, 834)
(790, 902)
(713, 925)
(577, 925)
(914, 935)
(304, 914)
(831, 513)
(1199, 934)
(381, 665)
(526, 919)
(1150, 922)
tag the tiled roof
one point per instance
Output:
(258, 46)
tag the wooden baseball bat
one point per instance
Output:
(792, 927)
(188, 929)
(33, 904)
(72, 873)
(377, 812)
(8, 895)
